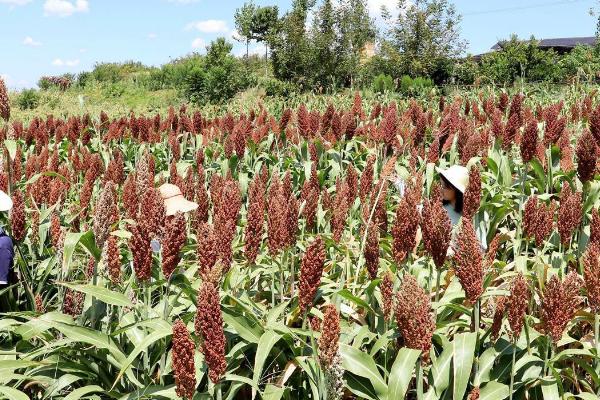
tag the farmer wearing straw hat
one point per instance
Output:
(174, 202)
(455, 180)
(7, 254)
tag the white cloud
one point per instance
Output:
(209, 26)
(152, 36)
(82, 50)
(234, 34)
(65, 8)
(28, 41)
(198, 43)
(65, 63)
(375, 7)
(14, 3)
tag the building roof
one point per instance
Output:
(559, 42)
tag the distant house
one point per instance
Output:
(559, 45)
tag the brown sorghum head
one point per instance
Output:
(469, 261)
(175, 235)
(330, 335)
(311, 270)
(209, 325)
(371, 252)
(111, 256)
(255, 221)
(587, 155)
(406, 224)
(560, 302)
(130, 197)
(183, 361)
(437, 230)
(139, 244)
(517, 305)
(498, 317)
(472, 196)
(152, 213)
(591, 275)
(569, 213)
(4, 101)
(413, 315)
(386, 286)
(105, 214)
(206, 252)
(595, 227)
(17, 216)
(366, 179)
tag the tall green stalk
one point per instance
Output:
(419, 377)
(512, 371)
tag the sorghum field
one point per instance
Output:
(308, 269)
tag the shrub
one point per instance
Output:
(84, 78)
(383, 83)
(275, 87)
(417, 86)
(28, 99)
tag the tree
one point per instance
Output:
(427, 34)
(264, 24)
(244, 18)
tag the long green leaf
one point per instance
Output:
(101, 293)
(265, 344)
(401, 373)
(494, 391)
(362, 364)
(464, 351)
(13, 394)
(82, 391)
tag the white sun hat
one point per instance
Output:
(457, 175)
(174, 200)
(5, 202)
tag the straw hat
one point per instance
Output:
(5, 202)
(457, 175)
(174, 200)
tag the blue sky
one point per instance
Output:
(50, 37)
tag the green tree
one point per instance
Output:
(427, 34)
(264, 25)
(324, 37)
(244, 19)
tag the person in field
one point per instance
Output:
(7, 255)
(454, 182)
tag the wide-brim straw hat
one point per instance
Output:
(6, 202)
(457, 175)
(174, 200)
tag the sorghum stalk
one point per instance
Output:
(419, 377)
(512, 371)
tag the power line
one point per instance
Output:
(519, 8)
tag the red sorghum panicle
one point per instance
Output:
(437, 230)
(39, 304)
(340, 211)
(569, 213)
(89, 271)
(255, 221)
(201, 196)
(405, 226)
(130, 198)
(469, 261)
(111, 257)
(330, 335)
(591, 275)
(560, 302)
(209, 325)
(414, 317)
(4, 101)
(387, 295)
(276, 220)
(474, 394)
(311, 270)
(530, 216)
(105, 214)
(595, 227)
(73, 303)
(587, 155)
(498, 317)
(207, 254)
(139, 244)
(595, 124)
(538, 220)
(35, 228)
(55, 229)
(174, 239)
(366, 179)
(183, 361)
(17, 216)
(517, 305)
(152, 213)
(490, 256)
(144, 175)
(372, 250)
(472, 197)
(352, 182)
